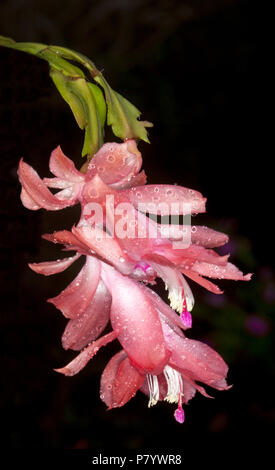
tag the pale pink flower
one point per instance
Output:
(114, 171)
(156, 358)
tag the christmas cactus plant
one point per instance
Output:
(126, 248)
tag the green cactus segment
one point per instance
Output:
(85, 98)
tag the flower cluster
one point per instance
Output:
(125, 251)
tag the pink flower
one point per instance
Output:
(156, 357)
(114, 173)
(36, 195)
(115, 167)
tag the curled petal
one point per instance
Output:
(230, 271)
(165, 199)
(81, 331)
(80, 361)
(74, 300)
(108, 377)
(126, 384)
(63, 168)
(120, 381)
(37, 189)
(28, 202)
(53, 267)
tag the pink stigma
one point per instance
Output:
(179, 415)
(186, 318)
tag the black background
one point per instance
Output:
(193, 69)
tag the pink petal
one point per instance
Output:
(133, 314)
(104, 246)
(195, 359)
(126, 384)
(28, 202)
(108, 377)
(95, 191)
(202, 281)
(57, 183)
(164, 199)
(80, 361)
(37, 190)
(199, 235)
(62, 167)
(81, 331)
(192, 383)
(163, 308)
(188, 390)
(74, 300)
(133, 230)
(116, 163)
(53, 267)
(207, 237)
(71, 193)
(64, 237)
(230, 271)
(187, 256)
(137, 180)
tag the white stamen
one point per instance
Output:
(153, 385)
(174, 384)
(176, 296)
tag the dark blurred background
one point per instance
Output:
(192, 67)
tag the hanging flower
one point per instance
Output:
(146, 246)
(156, 357)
